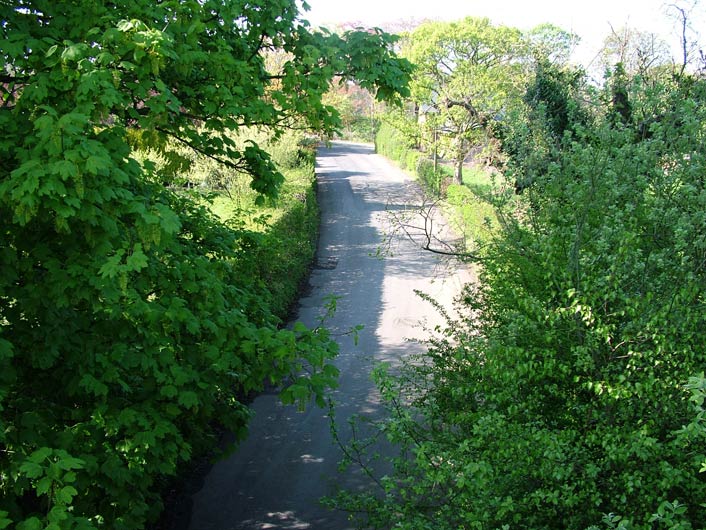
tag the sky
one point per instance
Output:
(590, 19)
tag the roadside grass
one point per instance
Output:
(278, 239)
(471, 208)
(479, 180)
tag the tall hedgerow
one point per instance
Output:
(561, 397)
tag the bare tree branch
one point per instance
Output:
(200, 150)
(422, 224)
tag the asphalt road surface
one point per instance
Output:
(276, 477)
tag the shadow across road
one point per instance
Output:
(289, 461)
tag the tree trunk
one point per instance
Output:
(458, 171)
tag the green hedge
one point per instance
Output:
(279, 258)
(395, 145)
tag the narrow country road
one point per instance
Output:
(276, 477)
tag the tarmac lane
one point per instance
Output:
(277, 476)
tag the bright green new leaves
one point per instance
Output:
(368, 62)
(467, 74)
(126, 325)
(469, 79)
(267, 178)
(560, 398)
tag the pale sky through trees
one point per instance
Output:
(591, 19)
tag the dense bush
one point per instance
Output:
(166, 338)
(128, 324)
(561, 397)
(281, 233)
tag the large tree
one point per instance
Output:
(466, 73)
(124, 328)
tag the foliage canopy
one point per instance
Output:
(569, 393)
(126, 328)
(470, 75)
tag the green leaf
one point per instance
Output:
(93, 385)
(74, 51)
(299, 327)
(33, 523)
(4, 520)
(137, 260)
(125, 25)
(57, 514)
(40, 455)
(66, 169)
(112, 266)
(188, 399)
(169, 220)
(169, 391)
(97, 165)
(66, 494)
(44, 486)
(331, 371)
(29, 166)
(67, 463)
(32, 469)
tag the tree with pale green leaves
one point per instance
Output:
(547, 42)
(125, 328)
(467, 73)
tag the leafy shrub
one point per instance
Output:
(397, 146)
(391, 143)
(557, 399)
(128, 324)
(471, 212)
(167, 337)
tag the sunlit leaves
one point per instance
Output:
(468, 75)
(560, 397)
(131, 317)
(267, 178)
